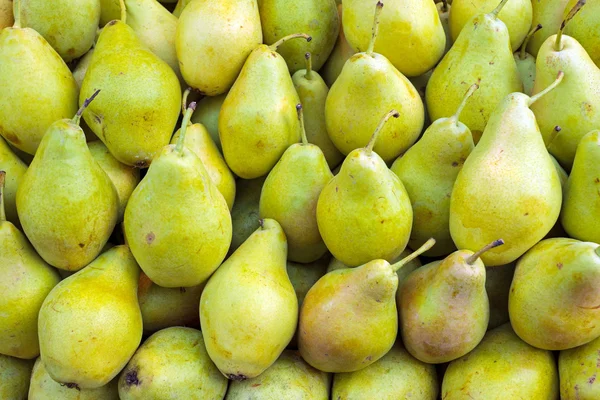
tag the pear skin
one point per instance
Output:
(562, 174)
(578, 369)
(110, 10)
(585, 28)
(207, 114)
(443, 9)
(497, 285)
(341, 52)
(245, 212)
(181, 4)
(526, 63)
(6, 13)
(14, 377)
(81, 68)
(548, 13)
(15, 169)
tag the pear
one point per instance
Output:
(366, 205)
(562, 174)
(255, 133)
(575, 106)
(397, 375)
(290, 194)
(248, 309)
(140, 101)
(213, 40)
(586, 29)
(412, 37)
(497, 285)
(348, 319)
(43, 387)
(90, 324)
(110, 10)
(444, 308)
(368, 84)
(6, 13)
(67, 204)
(554, 297)
(548, 13)
(317, 18)
(341, 52)
(497, 368)
(313, 91)
(15, 169)
(494, 194)
(172, 363)
(37, 86)
(82, 66)
(428, 171)
(69, 26)
(290, 377)
(181, 4)
(207, 114)
(179, 240)
(526, 62)
(245, 211)
(443, 9)
(14, 377)
(578, 370)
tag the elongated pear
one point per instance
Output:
(245, 211)
(550, 14)
(428, 171)
(15, 169)
(90, 324)
(341, 52)
(258, 120)
(14, 377)
(494, 195)
(368, 84)
(526, 62)
(179, 240)
(366, 205)
(481, 53)
(578, 370)
(586, 28)
(249, 310)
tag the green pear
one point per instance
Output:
(172, 363)
(586, 28)
(207, 114)
(341, 52)
(213, 40)
(6, 13)
(313, 91)
(428, 171)
(444, 308)
(581, 205)
(317, 18)
(526, 62)
(368, 84)
(90, 324)
(255, 134)
(494, 194)
(69, 26)
(14, 377)
(140, 102)
(82, 66)
(516, 15)
(37, 86)
(290, 194)
(443, 9)
(397, 375)
(366, 205)
(502, 367)
(67, 204)
(290, 377)
(412, 37)
(571, 111)
(549, 14)
(348, 319)
(578, 370)
(179, 240)
(245, 211)
(110, 10)
(497, 285)
(562, 174)
(248, 309)
(553, 300)
(43, 387)
(15, 169)
(181, 4)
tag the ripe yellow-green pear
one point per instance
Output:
(15, 169)
(553, 300)
(207, 114)
(180, 239)
(526, 62)
(494, 195)
(245, 211)
(502, 367)
(172, 363)
(249, 310)
(213, 40)
(368, 84)
(364, 212)
(548, 13)
(497, 285)
(14, 377)
(90, 324)
(341, 52)
(579, 369)
(411, 33)
(562, 174)
(585, 28)
(6, 13)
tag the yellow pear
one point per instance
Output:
(15, 169)
(14, 377)
(579, 369)
(341, 52)
(549, 14)
(586, 28)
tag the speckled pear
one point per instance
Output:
(579, 369)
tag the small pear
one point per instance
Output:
(497, 368)
(179, 240)
(550, 14)
(494, 194)
(90, 324)
(366, 205)
(172, 363)
(581, 205)
(578, 369)
(290, 377)
(67, 204)
(428, 171)
(249, 310)
(14, 377)
(207, 114)
(15, 169)
(586, 28)
(497, 285)
(245, 211)
(526, 62)
(6, 13)
(341, 52)
(554, 298)
(213, 40)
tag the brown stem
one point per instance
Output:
(487, 247)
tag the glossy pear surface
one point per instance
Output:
(14, 377)
(15, 169)
(578, 369)
(585, 28)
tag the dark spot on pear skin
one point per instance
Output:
(72, 385)
(597, 180)
(81, 245)
(237, 378)
(256, 384)
(114, 21)
(131, 378)
(559, 265)
(592, 379)
(150, 238)
(455, 164)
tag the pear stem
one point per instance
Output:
(526, 41)
(426, 246)
(463, 103)
(284, 39)
(498, 9)
(572, 13)
(444, 5)
(308, 59)
(301, 119)
(554, 84)
(123, 11)
(186, 93)
(378, 8)
(77, 118)
(371, 144)
(487, 247)
(2, 212)
(184, 124)
(17, 13)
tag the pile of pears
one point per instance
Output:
(317, 199)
